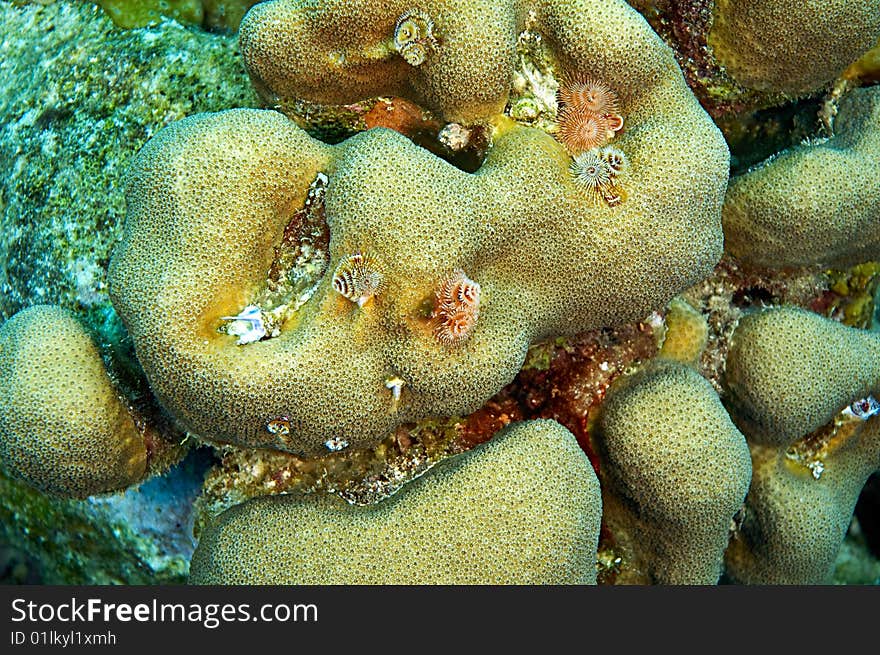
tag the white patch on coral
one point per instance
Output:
(863, 409)
(336, 444)
(248, 325)
(90, 284)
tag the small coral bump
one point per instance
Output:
(597, 171)
(358, 278)
(335, 444)
(589, 115)
(395, 384)
(249, 325)
(414, 36)
(455, 137)
(457, 308)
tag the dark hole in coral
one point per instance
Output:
(751, 296)
(17, 567)
(868, 513)
(469, 159)
(754, 138)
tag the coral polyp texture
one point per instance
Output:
(547, 260)
(789, 375)
(63, 426)
(675, 470)
(792, 46)
(795, 520)
(524, 508)
(790, 371)
(342, 51)
(454, 57)
(817, 203)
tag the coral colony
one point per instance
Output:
(537, 255)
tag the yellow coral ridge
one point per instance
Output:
(524, 508)
(686, 333)
(867, 67)
(63, 428)
(792, 46)
(795, 522)
(342, 51)
(675, 471)
(816, 203)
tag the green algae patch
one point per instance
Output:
(854, 289)
(77, 542)
(140, 13)
(222, 15)
(81, 98)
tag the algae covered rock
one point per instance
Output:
(522, 509)
(675, 470)
(63, 427)
(817, 203)
(210, 14)
(81, 96)
(792, 46)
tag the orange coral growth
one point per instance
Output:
(581, 130)
(401, 116)
(589, 115)
(457, 308)
(588, 94)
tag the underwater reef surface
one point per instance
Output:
(213, 15)
(80, 98)
(218, 319)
